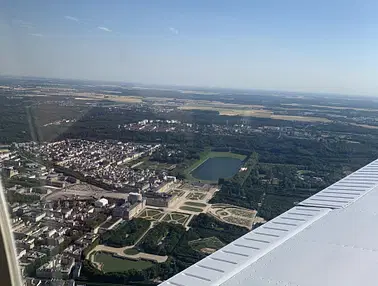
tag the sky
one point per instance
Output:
(293, 45)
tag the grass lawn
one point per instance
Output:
(115, 264)
(195, 204)
(192, 209)
(174, 217)
(131, 251)
(177, 216)
(151, 214)
(195, 196)
(208, 242)
(206, 155)
(154, 165)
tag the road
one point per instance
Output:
(75, 191)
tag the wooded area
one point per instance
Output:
(126, 234)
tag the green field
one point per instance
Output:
(151, 214)
(195, 204)
(115, 264)
(192, 209)
(174, 217)
(195, 196)
(206, 155)
(131, 251)
(154, 165)
(208, 242)
(241, 212)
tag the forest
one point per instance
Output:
(162, 239)
(118, 238)
(168, 239)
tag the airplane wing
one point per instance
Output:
(330, 238)
(9, 270)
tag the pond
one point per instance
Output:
(218, 167)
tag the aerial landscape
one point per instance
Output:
(138, 138)
(112, 189)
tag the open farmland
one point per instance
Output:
(259, 113)
(110, 97)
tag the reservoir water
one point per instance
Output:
(218, 167)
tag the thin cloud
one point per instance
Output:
(104, 29)
(173, 30)
(70, 18)
(23, 24)
(36, 35)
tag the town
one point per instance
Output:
(58, 220)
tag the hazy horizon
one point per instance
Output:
(177, 87)
(312, 47)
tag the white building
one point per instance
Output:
(101, 203)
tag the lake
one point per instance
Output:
(218, 167)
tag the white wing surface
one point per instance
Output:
(330, 238)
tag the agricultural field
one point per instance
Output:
(151, 214)
(206, 245)
(110, 263)
(179, 218)
(259, 113)
(196, 196)
(102, 96)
